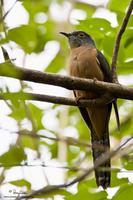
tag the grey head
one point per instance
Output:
(79, 38)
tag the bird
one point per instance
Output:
(86, 61)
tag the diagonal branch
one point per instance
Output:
(5, 15)
(118, 39)
(52, 188)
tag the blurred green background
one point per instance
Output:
(32, 127)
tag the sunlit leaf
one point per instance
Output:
(56, 64)
(125, 67)
(97, 24)
(47, 192)
(85, 194)
(38, 114)
(115, 181)
(85, 7)
(21, 183)
(125, 192)
(25, 36)
(118, 5)
(14, 155)
(28, 141)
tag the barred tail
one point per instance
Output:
(103, 173)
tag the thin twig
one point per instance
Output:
(102, 159)
(74, 168)
(118, 39)
(5, 15)
(68, 140)
(71, 168)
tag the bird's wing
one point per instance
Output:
(104, 65)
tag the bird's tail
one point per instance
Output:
(99, 147)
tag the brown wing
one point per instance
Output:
(108, 78)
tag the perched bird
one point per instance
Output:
(86, 61)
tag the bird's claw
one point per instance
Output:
(95, 80)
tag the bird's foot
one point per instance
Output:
(95, 80)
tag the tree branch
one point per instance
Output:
(118, 39)
(42, 164)
(102, 159)
(71, 83)
(55, 99)
(68, 140)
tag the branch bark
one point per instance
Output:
(55, 99)
(117, 42)
(71, 83)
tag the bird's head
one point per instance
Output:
(78, 38)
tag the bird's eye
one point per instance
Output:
(81, 35)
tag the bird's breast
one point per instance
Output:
(83, 63)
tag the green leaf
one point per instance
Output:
(15, 155)
(125, 192)
(57, 63)
(2, 177)
(47, 192)
(38, 114)
(96, 24)
(84, 191)
(129, 50)
(82, 129)
(127, 38)
(120, 16)
(21, 183)
(91, 183)
(98, 28)
(129, 166)
(54, 149)
(25, 36)
(118, 5)
(108, 48)
(8, 68)
(28, 141)
(73, 153)
(3, 41)
(33, 7)
(85, 194)
(127, 161)
(85, 7)
(18, 111)
(125, 67)
(32, 37)
(115, 181)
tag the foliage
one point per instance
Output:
(33, 39)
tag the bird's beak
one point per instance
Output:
(65, 34)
